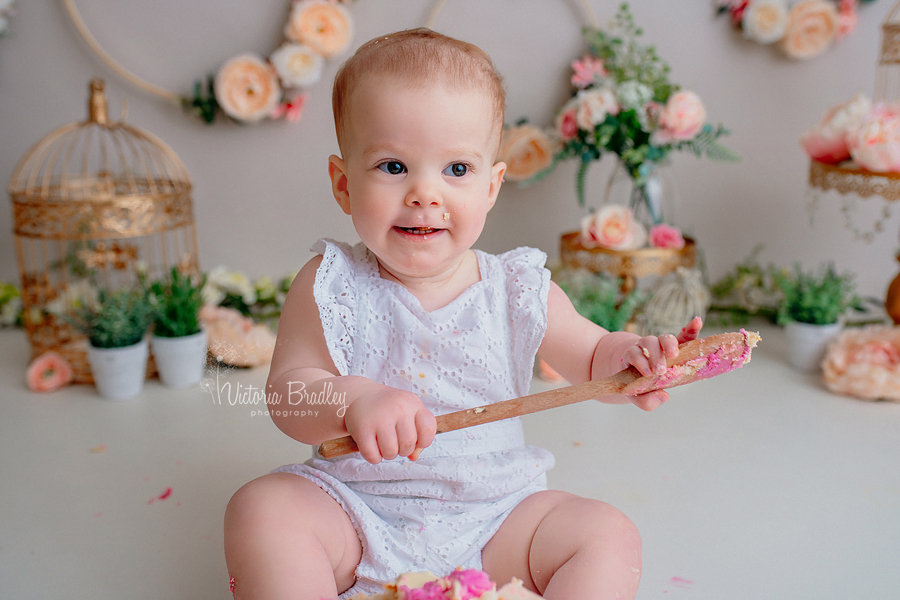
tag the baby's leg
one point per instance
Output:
(563, 547)
(287, 538)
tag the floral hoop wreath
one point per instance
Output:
(802, 30)
(249, 88)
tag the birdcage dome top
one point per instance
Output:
(97, 160)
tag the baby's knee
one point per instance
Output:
(603, 525)
(263, 501)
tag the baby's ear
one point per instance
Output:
(336, 170)
(497, 172)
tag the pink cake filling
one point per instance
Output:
(723, 359)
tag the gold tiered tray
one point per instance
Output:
(629, 265)
(853, 180)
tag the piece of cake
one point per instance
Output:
(468, 584)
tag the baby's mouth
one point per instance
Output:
(418, 230)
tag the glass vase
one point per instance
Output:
(651, 201)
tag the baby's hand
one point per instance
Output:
(649, 357)
(390, 423)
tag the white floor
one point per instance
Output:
(757, 484)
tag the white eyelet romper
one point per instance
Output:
(437, 513)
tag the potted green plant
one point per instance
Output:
(811, 309)
(116, 325)
(179, 342)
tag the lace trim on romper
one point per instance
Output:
(437, 513)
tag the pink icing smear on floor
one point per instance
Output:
(164, 496)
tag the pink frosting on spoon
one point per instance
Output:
(726, 357)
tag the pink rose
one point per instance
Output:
(594, 106)
(737, 8)
(875, 143)
(567, 124)
(812, 27)
(865, 363)
(848, 18)
(587, 70)
(666, 236)
(48, 372)
(613, 227)
(681, 119)
(291, 109)
(827, 141)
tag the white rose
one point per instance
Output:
(297, 65)
(593, 106)
(765, 21)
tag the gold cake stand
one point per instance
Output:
(629, 265)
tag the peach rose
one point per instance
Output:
(235, 339)
(765, 21)
(297, 65)
(827, 141)
(865, 363)
(247, 88)
(681, 119)
(48, 372)
(875, 143)
(666, 236)
(812, 27)
(613, 227)
(324, 26)
(526, 150)
(593, 106)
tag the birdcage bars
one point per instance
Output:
(94, 204)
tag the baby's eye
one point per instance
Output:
(457, 170)
(392, 167)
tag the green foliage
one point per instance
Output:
(819, 297)
(203, 105)
(117, 319)
(750, 290)
(177, 301)
(626, 59)
(598, 298)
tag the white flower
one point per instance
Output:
(633, 94)
(10, 311)
(221, 281)
(593, 107)
(765, 21)
(297, 65)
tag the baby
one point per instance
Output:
(376, 339)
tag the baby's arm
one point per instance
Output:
(580, 350)
(385, 422)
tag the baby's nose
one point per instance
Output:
(423, 195)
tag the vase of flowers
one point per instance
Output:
(179, 343)
(623, 104)
(811, 309)
(116, 326)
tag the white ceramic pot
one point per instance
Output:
(181, 361)
(119, 373)
(807, 343)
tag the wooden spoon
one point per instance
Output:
(698, 359)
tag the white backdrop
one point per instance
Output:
(261, 192)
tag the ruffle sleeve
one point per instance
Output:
(527, 287)
(335, 293)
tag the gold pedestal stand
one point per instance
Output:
(629, 265)
(851, 180)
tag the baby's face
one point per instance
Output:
(419, 170)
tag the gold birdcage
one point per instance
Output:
(95, 203)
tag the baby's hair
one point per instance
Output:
(416, 57)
